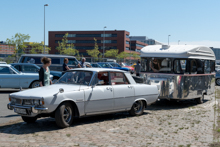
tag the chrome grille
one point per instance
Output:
(18, 101)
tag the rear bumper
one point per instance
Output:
(31, 110)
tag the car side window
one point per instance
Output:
(72, 61)
(5, 70)
(29, 68)
(17, 67)
(101, 78)
(118, 78)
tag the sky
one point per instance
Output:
(190, 21)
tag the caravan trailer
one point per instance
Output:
(180, 71)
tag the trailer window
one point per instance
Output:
(207, 67)
(212, 63)
(200, 66)
(180, 66)
(143, 64)
(160, 65)
(193, 67)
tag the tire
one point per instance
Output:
(217, 81)
(64, 115)
(137, 108)
(29, 119)
(35, 84)
(200, 100)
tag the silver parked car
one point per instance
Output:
(83, 92)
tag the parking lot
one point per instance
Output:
(164, 123)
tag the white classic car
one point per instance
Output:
(83, 92)
(10, 77)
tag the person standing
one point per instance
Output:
(44, 73)
(83, 63)
(65, 66)
(138, 68)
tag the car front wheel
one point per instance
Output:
(29, 119)
(218, 82)
(35, 84)
(64, 115)
(137, 108)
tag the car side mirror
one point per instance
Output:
(61, 90)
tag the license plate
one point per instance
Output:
(20, 111)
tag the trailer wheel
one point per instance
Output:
(200, 100)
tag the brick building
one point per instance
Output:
(84, 40)
(6, 50)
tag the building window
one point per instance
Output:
(127, 48)
(127, 36)
(59, 35)
(127, 42)
(109, 35)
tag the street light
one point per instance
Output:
(44, 26)
(168, 39)
(104, 42)
(178, 42)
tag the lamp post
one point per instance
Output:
(168, 38)
(178, 42)
(44, 26)
(104, 42)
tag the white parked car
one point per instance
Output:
(10, 77)
(83, 92)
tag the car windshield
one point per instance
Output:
(115, 65)
(15, 69)
(105, 65)
(124, 64)
(76, 77)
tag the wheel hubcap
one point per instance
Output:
(138, 106)
(67, 116)
(218, 82)
(36, 84)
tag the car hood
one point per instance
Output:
(46, 91)
(33, 74)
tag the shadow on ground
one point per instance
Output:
(169, 105)
(49, 124)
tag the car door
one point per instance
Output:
(99, 98)
(29, 69)
(123, 91)
(9, 78)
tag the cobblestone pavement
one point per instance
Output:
(163, 124)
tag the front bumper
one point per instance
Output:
(31, 110)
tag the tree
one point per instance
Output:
(66, 48)
(39, 48)
(122, 55)
(134, 55)
(111, 53)
(95, 52)
(18, 41)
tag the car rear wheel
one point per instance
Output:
(35, 84)
(29, 119)
(137, 108)
(217, 82)
(64, 115)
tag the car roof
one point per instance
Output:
(7, 65)
(47, 55)
(23, 64)
(97, 69)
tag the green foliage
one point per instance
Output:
(134, 55)
(95, 52)
(66, 48)
(123, 55)
(39, 48)
(18, 41)
(111, 53)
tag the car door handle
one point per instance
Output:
(129, 86)
(109, 88)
